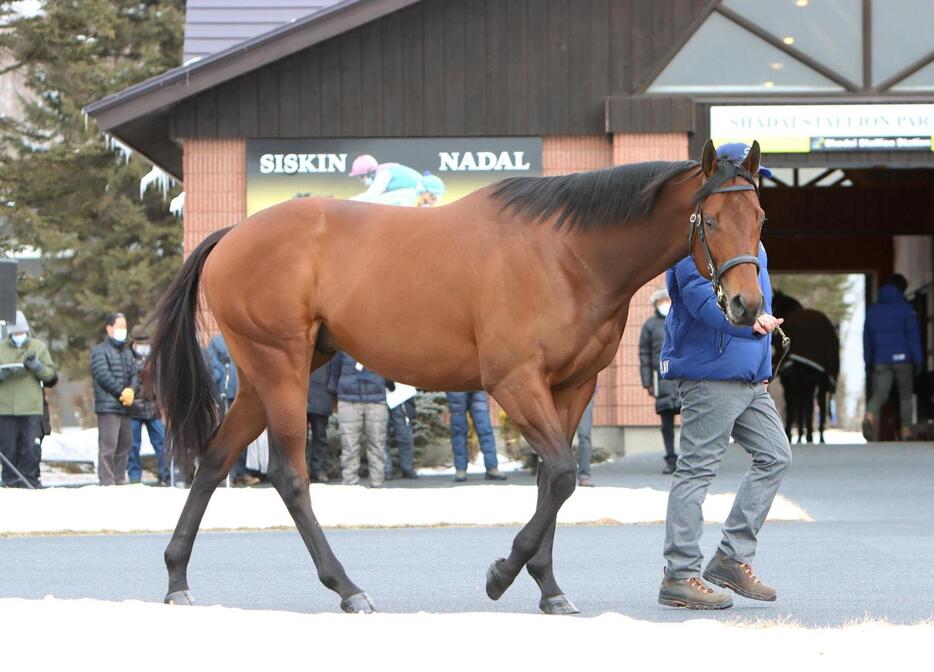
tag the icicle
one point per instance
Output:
(177, 205)
(124, 151)
(158, 177)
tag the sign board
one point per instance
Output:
(281, 169)
(826, 128)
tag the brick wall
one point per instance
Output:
(630, 404)
(215, 191)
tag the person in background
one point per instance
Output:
(25, 365)
(116, 385)
(665, 392)
(400, 426)
(320, 403)
(224, 373)
(363, 416)
(892, 351)
(585, 445)
(476, 404)
(145, 413)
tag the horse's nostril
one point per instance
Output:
(738, 306)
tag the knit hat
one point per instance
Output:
(21, 325)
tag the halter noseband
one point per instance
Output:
(697, 226)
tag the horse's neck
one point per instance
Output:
(647, 247)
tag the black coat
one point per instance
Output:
(319, 399)
(144, 406)
(666, 394)
(113, 369)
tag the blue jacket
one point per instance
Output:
(352, 384)
(700, 343)
(891, 334)
(223, 369)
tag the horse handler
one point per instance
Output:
(722, 371)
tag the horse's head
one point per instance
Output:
(725, 230)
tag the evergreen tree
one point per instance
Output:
(66, 191)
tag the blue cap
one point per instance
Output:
(735, 152)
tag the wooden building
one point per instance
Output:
(600, 83)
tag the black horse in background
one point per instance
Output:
(811, 367)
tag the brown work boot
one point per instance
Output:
(691, 594)
(726, 572)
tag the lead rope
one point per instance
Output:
(786, 346)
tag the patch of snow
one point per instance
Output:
(80, 445)
(504, 464)
(137, 508)
(279, 639)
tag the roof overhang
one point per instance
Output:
(140, 115)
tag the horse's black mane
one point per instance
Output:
(607, 197)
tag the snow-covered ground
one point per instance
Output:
(79, 445)
(53, 634)
(142, 508)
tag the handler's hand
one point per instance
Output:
(649, 390)
(765, 323)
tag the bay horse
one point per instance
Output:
(520, 288)
(811, 369)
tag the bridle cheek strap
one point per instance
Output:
(697, 227)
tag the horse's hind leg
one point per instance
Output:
(281, 377)
(242, 424)
(528, 401)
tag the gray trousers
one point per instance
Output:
(711, 412)
(883, 375)
(362, 424)
(114, 441)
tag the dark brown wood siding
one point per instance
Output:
(453, 67)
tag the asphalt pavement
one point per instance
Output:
(867, 553)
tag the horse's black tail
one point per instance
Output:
(176, 366)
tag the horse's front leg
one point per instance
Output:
(571, 405)
(529, 403)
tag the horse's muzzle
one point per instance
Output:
(743, 312)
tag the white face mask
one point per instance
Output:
(367, 181)
(119, 335)
(142, 350)
(663, 309)
(18, 339)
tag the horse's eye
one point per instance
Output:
(708, 222)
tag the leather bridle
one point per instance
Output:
(698, 219)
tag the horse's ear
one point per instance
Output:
(709, 159)
(751, 162)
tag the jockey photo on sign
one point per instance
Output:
(387, 183)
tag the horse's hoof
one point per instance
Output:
(359, 603)
(180, 597)
(496, 583)
(557, 605)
